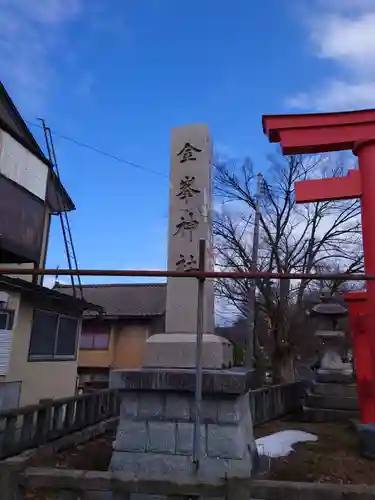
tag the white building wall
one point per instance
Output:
(40, 379)
(6, 336)
(22, 167)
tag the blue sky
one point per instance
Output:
(119, 74)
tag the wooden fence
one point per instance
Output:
(31, 426)
(271, 402)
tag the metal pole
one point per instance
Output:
(156, 273)
(46, 211)
(199, 364)
(250, 341)
(52, 159)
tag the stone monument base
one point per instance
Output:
(178, 350)
(341, 376)
(156, 427)
(332, 397)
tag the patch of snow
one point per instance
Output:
(280, 444)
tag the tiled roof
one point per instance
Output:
(126, 300)
(31, 290)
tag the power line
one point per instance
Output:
(103, 153)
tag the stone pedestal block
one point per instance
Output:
(331, 359)
(155, 432)
(333, 395)
(335, 390)
(178, 350)
(335, 376)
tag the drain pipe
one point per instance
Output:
(198, 362)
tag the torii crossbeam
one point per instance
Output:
(326, 132)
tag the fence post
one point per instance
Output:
(27, 428)
(69, 415)
(80, 414)
(57, 419)
(9, 436)
(90, 410)
(43, 421)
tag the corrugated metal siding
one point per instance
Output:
(5, 348)
(22, 167)
(21, 222)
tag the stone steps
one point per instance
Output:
(314, 400)
(339, 390)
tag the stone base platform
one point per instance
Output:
(335, 376)
(155, 432)
(336, 390)
(178, 350)
(332, 397)
(332, 402)
(320, 415)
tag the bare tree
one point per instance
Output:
(295, 238)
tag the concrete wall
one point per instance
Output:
(40, 379)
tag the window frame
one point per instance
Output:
(93, 335)
(55, 357)
(7, 313)
(10, 318)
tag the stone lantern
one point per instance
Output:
(328, 312)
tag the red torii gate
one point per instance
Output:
(327, 132)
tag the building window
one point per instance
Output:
(95, 337)
(6, 320)
(53, 336)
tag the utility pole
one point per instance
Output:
(250, 339)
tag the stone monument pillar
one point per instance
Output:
(170, 425)
(190, 201)
(190, 220)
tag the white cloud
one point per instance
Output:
(29, 33)
(336, 95)
(341, 31)
(347, 40)
(49, 11)
(351, 6)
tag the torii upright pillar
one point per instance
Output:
(327, 132)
